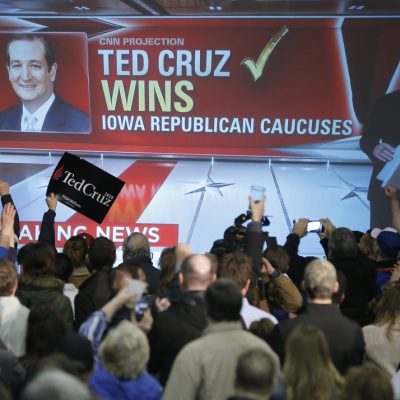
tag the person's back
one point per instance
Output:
(121, 373)
(359, 270)
(308, 371)
(205, 368)
(185, 319)
(38, 285)
(45, 330)
(183, 322)
(238, 267)
(344, 336)
(13, 315)
(382, 338)
(96, 291)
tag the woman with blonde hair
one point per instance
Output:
(308, 371)
(382, 338)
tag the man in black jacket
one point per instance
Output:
(359, 270)
(344, 336)
(96, 290)
(185, 319)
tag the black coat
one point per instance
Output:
(360, 273)
(93, 294)
(344, 336)
(183, 322)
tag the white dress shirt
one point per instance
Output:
(34, 122)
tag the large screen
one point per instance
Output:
(190, 112)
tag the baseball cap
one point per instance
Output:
(376, 231)
(389, 242)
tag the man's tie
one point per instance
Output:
(30, 123)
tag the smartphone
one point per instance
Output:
(315, 226)
(141, 306)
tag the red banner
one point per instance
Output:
(159, 235)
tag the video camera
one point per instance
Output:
(234, 236)
(242, 218)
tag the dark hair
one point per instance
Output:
(237, 267)
(39, 259)
(76, 249)
(256, 372)
(78, 348)
(8, 277)
(278, 257)
(262, 328)
(102, 254)
(44, 331)
(63, 267)
(167, 265)
(49, 53)
(23, 251)
(223, 300)
(342, 244)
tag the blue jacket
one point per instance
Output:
(108, 387)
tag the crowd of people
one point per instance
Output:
(247, 320)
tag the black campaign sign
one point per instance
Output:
(84, 187)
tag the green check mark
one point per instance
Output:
(256, 68)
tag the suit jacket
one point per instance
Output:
(61, 117)
(344, 336)
(383, 124)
